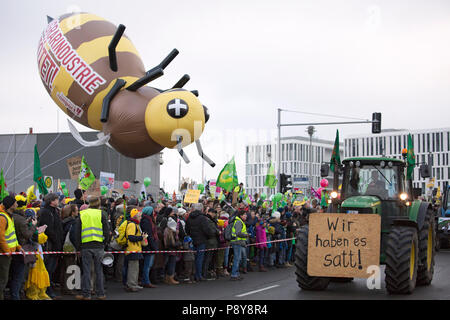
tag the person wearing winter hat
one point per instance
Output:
(8, 239)
(148, 225)
(80, 198)
(188, 260)
(171, 243)
(136, 239)
(24, 232)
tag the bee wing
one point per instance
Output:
(76, 135)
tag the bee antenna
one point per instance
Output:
(180, 149)
(155, 72)
(112, 47)
(49, 19)
(180, 84)
(195, 92)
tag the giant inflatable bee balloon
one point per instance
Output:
(95, 75)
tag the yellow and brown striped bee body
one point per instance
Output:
(93, 72)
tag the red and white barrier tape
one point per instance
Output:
(157, 251)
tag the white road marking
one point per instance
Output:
(255, 291)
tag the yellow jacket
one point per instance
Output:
(134, 236)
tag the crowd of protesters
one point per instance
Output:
(189, 241)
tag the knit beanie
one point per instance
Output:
(148, 211)
(276, 215)
(8, 202)
(30, 213)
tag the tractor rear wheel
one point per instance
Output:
(306, 282)
(402, 259)
(427, 250)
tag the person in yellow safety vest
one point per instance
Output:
(91, 233)
(8, 240)
(238, 242)
(135, 239)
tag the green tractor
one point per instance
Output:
(408, 233)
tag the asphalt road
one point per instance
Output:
(280, 284)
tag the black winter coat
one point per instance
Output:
(50, 216)
(213, 233)
(197, 227)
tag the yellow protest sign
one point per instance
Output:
(343, 245)
(192, 196)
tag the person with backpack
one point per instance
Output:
(148, 226)
(135, 240)
(90, 234)
(238, 241)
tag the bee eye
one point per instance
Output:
(177, 108)
(205, 110)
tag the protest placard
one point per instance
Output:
(192, 196)
(74, 166)
(343, 245)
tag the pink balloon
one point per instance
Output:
(126, 185)
(324, 183)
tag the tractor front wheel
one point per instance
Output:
(305, 281)
(402, 259)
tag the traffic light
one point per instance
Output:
(324, 170)
(376, 124)
(285, 182)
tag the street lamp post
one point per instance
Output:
(310, 131)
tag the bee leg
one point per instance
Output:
(109, 96)
(153, 73)
(204, 156)
(180, 84)
(112, 47)
(180, 150)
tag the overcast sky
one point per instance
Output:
(248, 58)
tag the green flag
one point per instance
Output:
(335, 156)
(37, 175)
(228, 179)
(271, 180)
(3, 192)
(86, 177)
(410, 159)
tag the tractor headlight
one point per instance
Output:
(333, 194)
(403, 196)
